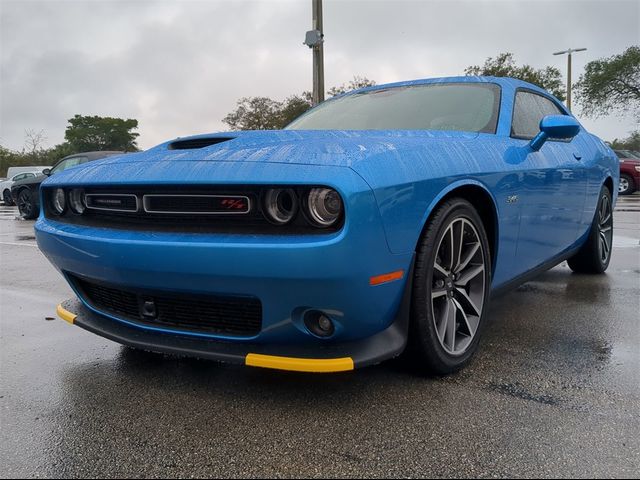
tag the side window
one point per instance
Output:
(528, 110)
(68, 163)
(29, 175)
(20, 176)
(59, 167)
(72, 162)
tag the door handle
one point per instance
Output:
(577, 156)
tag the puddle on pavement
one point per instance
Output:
(518, 390)
(25, 237)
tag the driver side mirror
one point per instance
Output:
(46, 171)
(562, 127)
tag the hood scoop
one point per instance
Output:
(195, 143)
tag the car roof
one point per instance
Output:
(94, 155)
(502, 81)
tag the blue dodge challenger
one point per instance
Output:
(380, 221)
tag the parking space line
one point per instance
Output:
(19, 244)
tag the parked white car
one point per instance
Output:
(5, 186)
(11, 171)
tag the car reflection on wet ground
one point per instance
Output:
(553, 391)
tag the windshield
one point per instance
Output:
(466, 107)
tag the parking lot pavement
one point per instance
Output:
(554, 391)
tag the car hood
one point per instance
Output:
(356, 149)
(307, 147)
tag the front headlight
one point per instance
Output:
(324, 206)
(59, 201)
(280, 205)
(637, 167)
(76, 200)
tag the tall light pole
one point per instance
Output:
(569, 52)
(315, 39)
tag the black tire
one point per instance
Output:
(595, 254)
(427, 347)
(6, 197)
(26, 205)
(627, 186)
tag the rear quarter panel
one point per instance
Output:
(602, 163)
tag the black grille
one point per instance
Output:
(201, 216)
(119, 203)
(226, 315)
(198, 204)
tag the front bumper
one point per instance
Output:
(289, 274)
(324, 358)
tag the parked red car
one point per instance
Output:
(629, 171)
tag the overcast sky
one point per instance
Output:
(179, 66)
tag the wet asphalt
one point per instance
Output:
(553, 392)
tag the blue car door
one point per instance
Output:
(553, 188)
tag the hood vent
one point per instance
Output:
(193, 143)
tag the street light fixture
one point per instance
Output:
(569, 52)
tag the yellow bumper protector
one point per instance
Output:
(65, 315)
(300, 364)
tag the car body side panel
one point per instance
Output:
(628, 167)
(602, 164)
(552, 197)
(534, 193)
(410, 183)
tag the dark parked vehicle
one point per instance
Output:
(25, 192)
(629, 171)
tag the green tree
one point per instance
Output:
(611, 84)
(293, 107)
(263, 113)
(504, 65)
(88, 133)
(632, 142)
(356, 83)
(254, 113)
(41, 156)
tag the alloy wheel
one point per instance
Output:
(605, 228)
(623, 186)
(25, 206)
(458, 286)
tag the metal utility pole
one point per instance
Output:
(569, 52)
(314, 40)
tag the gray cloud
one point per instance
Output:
(179, 67)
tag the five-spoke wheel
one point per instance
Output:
(457, 286)
(25, 205)
(605, 229)
(594, 256)
(451, 287)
